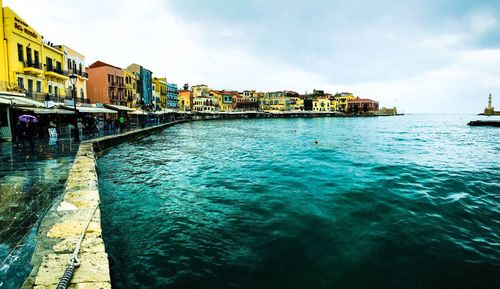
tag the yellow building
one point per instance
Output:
(334, 105)
(296, 103)
(74, 62)
(321, 103)
(162, 82)
(342, 100)
(131, 88)
(30, 64)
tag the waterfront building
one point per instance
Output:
(30, 65)
(74, 62)
(144, 84)
(321, 103)
(205, 104)
(106, 84)
(277, 101)
(172, 96)
(200, 90)
(342, 100)
(185, 99)
(246, 101)
(159, 91)
(296, 103)
(334, 104)
(224, 98)
(131, 94)
(362, 106)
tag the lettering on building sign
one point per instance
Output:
(19, 26)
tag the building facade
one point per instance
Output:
(362, 106)
(106, 84)
(131, 94)
(144, 84)
(342, 100)
(172, 96)
(74, 63)
(185, 99)
(321, 103)
(31, 65)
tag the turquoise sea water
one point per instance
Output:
(396, 202)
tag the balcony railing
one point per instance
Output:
(56, 70)
(33, 64)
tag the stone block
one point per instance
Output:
(93, 268)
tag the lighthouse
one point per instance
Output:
(489, 110)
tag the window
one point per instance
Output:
(69, 64)
(80, 69)
(48, 62)
(20, 82)
(58, 66)
(39, 86)
(20, 54)
(37, 59)
(82, 95)
(50, 88)
(56, 91)
(28, 55)
(30, 85)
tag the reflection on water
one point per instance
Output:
(29, 182)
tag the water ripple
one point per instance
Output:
(378, 203)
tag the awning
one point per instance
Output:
(47, 110)
(90, 109)
(137, 112)
(22, 101)
(118, 107)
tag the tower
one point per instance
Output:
(489, 110)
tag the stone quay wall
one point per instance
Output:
(61, 228)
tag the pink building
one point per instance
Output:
(105, 84)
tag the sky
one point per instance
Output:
(422, 56)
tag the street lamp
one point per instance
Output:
(73, 77)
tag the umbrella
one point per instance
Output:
(26, 118)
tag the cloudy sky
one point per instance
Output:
(421, 56)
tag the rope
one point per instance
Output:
(73, 261)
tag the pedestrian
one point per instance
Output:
(30, 134)
(19, 134)
(122, 123)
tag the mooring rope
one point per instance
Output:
(73, 261)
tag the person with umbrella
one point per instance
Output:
(29, 129)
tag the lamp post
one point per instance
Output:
(73, 77)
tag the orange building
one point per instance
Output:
(185, 100)
(105, 84)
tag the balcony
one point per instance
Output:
(57, 73)
(33, 68)
(82, 74)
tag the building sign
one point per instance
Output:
(69, 102)
(21, 26)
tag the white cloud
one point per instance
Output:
(399, 63)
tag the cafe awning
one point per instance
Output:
(118, 107)
(90, 109)
(21, 101)
(47, 110)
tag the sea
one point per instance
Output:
(397, 202)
